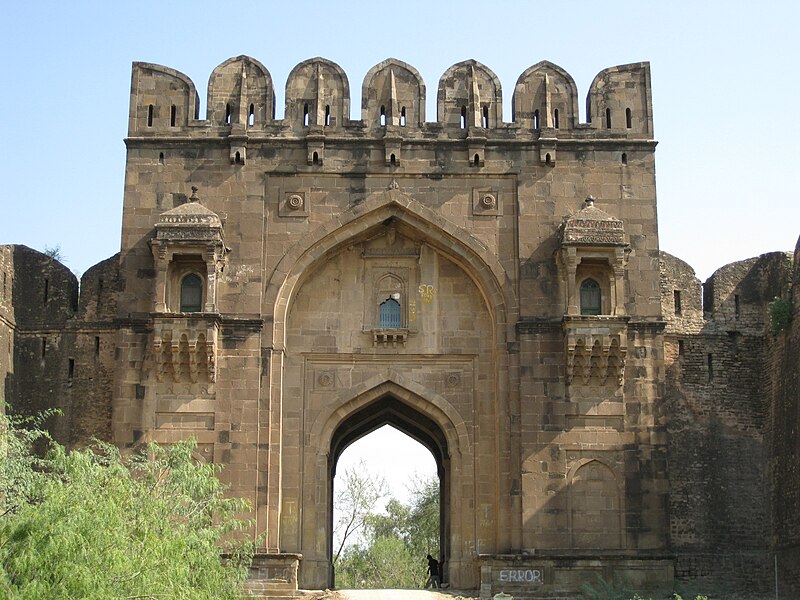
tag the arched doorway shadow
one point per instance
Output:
(388, 410)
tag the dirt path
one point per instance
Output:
(403, 595)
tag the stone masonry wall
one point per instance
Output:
(717, 392)
(783, 440)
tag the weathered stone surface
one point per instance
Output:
(332, 275)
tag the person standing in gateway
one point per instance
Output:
(433, 573)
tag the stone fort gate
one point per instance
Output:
(490, 287)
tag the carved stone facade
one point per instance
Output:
(493, 289)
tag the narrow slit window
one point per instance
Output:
(393, 160)
(547, 160)
(44, 347)
(676, 301)
(305, 115)
(70, 369)
(150, 116)
(191, 293)
(555, 118)
(736, 305)
(327, 115)
(161, 158)
(710, 367)
(463, 117)
(238, 158)
(608, 118)
(251, 117)
(403, 117)
(624, 158)
(97, 345)
(681, 348)
(46, 290)
(315, 159)
(383, 116)
(536, 119)
(227, 114)
(390, 314)
(173, 116)
(590, 297)
(628, 120)
(476, 161)
(485, 118)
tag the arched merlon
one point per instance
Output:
(541, 90)
(472, 86)
(620, 99)
(321, 88)
(154, 91)
(393, 85)
(313, 86)
(449, 239)
(425, 401)
(237, 84)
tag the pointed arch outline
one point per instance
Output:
(408, 392)
(446, 237)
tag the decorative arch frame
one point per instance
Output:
(496, 289)
(618, 481)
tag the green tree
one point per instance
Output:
(90, 524)
(357, 497)
(394, 542)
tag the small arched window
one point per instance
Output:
(305, 115)
(150, 116)
(485, 120)
(608, 118)
(590, 297)
(390, 314)
(403, 117)
(383, 116)
(327, 115)
(536, 119)
(463, 117)
(555, 118)
(191, 293)
(227, 114)
(173, 116)
(251, 117)
(628, 118)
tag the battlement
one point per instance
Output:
(241, 102)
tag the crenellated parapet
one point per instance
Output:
(241, 103)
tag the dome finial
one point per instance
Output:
(193, 197)
(589, 200)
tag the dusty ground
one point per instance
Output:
(390, 595)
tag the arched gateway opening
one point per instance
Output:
(388, 410)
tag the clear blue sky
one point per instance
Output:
(725, 76)
(726, 86)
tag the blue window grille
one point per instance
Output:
(390, 314)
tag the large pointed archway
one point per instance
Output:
(442, 376)
(388, 410)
